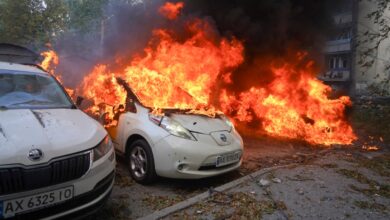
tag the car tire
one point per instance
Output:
(141, 162)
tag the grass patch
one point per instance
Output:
(237, 205)
(329, 165)
(247, 206)
(271, 175)
(372, 120)
(380, 164)
(123, 180)
(355, 175)
(370, 206)
(382, 190)
(244, 206)
(374, 187)
(161, 202)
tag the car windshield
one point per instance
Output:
(31, 90)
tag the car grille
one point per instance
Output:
(18, 179)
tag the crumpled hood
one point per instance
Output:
(200, 123)
(57, 132)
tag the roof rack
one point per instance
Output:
(17, 54)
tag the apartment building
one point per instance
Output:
(351, 65)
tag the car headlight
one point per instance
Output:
(227, 121)
(102, 148)
(172, 126)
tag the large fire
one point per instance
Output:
(171, 74)
(294, 105)
(195, 73)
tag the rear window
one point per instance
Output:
(28, 90)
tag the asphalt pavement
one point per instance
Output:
(278, 180)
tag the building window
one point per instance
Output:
(340, 61)
(344, 63)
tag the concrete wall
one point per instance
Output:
(376, 73)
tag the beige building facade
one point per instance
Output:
(372, 62)
(356, 61)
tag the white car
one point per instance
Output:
(55, 161)
(176, 145)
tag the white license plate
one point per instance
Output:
(10, 208)
(227, 159)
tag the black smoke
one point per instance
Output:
(269, 29)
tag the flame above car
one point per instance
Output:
(193, 69)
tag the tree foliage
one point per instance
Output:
(85, 15)
(31, 22)
(370, 41)
(34, 23)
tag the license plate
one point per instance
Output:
(227, 159)
(10, 208)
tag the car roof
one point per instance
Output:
(15, 67)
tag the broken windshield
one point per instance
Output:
(31, 90)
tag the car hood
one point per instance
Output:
(200, 123)
(56, 132)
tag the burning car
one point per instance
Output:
(173, 143)
(55, 161)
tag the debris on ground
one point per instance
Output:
(276, 180)
(160, 202)
(337, 186)
(264, 182)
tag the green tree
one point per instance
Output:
(85, 16)
(371, 40)
(31, 22)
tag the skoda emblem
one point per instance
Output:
(35, 154)
(223, 137)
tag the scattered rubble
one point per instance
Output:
(276, 180)
(331, 187)
(264, 182)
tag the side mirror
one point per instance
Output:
(79, 100)
(130, 106)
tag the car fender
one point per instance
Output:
(139, 124)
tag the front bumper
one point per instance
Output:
(80, 206)
(186, 159)
(90, 193)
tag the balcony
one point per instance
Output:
(343, 19)
(336, 46)
(336, 75)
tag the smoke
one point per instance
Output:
(269, 30)
(129, 28)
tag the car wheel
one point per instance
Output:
(141, 162)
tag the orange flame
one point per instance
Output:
(368, 147)
(171, 10)
(188, 74)
(49, 63)
(294, 105)
(172, 74)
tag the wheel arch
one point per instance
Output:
(131, 139)
(152, 167)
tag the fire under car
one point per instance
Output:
(175, 144)
(55, 161)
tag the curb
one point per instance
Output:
(191, 201)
